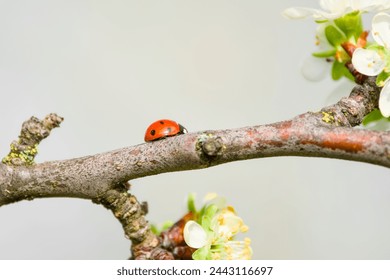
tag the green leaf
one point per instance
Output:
(206, 223)
(200, 214)
(334, 36)
(374, 116)
(351, 24)
(166, 225)
(328, 53)
(211, 210)
(339, 70)
(155, 230)
(191, 203)
(208, 216)
(348, 75)
(203, 253)
(381, 78)
(319, 21)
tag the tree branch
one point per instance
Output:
(327, 133)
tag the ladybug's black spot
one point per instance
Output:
(161, 122)
(152, 132)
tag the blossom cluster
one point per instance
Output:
(343, 40)
(214, 230)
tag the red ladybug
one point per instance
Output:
(163, 128)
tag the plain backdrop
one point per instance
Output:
(112, 67)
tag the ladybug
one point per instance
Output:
(163, 128)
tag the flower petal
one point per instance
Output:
(335, 6)
(210, 196)
(194, 235)
(381, 29)
(370, 5)
(298, 12)
(321, 41)
(367, 62)
(302, 12)
(333, 9)
(384, 100)
(213, 198)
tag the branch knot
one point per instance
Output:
(209, 146)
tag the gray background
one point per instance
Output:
(112, 67)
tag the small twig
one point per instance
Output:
(24, 150)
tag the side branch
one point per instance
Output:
(131, 214)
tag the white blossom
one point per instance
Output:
(214, 237)
(372, 62)
(332, 9)
(368, 62)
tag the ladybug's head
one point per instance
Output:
(183, 130)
